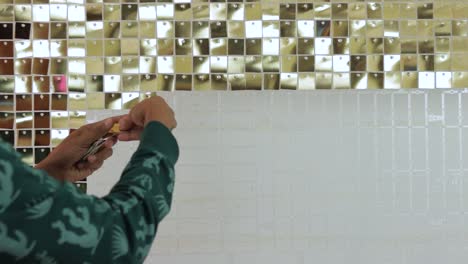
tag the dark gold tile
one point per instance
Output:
(218, 29)
(425, 29)
(130, 65)
(289, 63)
(357, 10)
(323, 28)
(7, 135)
(340, 11)
(408, 10)
(24, 120)
(7, 102)
(112, 29)
(341, 46)
(305, 11)
(218, 46)
(409, 63)
(304, 46)
(6, 67)
(323, 81)
(374, 10)
(358, 45)
(270, 82)
(22, 31)
(253, 11)
(253, 64)
(7, 120)
(95, 101)
(236, 47)
(271, 64)
(59, 101)
(288, 29)
(459, 10)
(23, 102)
(7, 84)
(375, 80)
(236, 29)
(40, 66)
(183, 82)
(77, 101)
(201, 82)
(40, 31)
(129, 29)
(392, 46)
(42, 120)
(236, 82)
(409, 80)
(443, 62)
(41, 84)
(183, 11)
(42, 138)
(306, 64)
(375, 45)
(77, 119)
(340, 28)
(95, 48)
(358, 63)
(58, 30)
(253, 81)
(40, 154)
(409, 46)
(165, 82)
(6, 48)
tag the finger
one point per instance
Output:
(116, 119)
(100, 156)
(110, 142)
(133, 134)
(125, 123)
(87, 134)
(89, 168)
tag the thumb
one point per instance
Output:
(94, 131)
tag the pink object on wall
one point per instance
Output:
(60, 84)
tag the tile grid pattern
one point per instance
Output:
(61, 59)
(316, 177)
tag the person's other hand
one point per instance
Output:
(63, 163)
(151, 109)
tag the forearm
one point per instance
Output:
(57, 220)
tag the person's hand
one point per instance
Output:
(64, 162)
(151, 109)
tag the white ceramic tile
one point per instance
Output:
(339, 177)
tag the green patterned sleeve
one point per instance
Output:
(46, 221)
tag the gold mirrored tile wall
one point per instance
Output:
(61, 58)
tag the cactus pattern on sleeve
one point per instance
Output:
(16, 245)
(119, 243)
(8, 193)
(46, 221)
(40, 209)
(91, 234)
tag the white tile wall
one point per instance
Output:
(314, 177)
